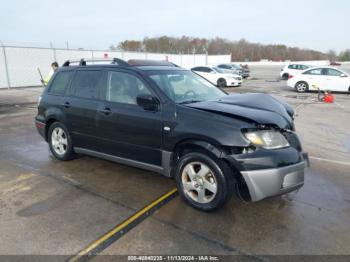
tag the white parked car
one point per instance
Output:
(217, 76)
(323, 78)
(292, 70)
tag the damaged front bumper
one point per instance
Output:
(268, 173)
(275, 181)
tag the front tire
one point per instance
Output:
(301, 87)
(60, 142)
(203, 182)
(221, 83)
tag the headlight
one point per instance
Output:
(267, 139)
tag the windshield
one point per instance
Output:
(185, 86)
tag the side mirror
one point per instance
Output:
(148, 102)
(343, 75)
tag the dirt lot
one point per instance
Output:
(52, 207)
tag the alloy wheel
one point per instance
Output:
(301, 87)
(199, 182)
(59, 141)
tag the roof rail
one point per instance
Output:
(147, 62)
(82, 62)
(120, 62)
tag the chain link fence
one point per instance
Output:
(19, 65)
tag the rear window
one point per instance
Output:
(60, 82)
(86, 84)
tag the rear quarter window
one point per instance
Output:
(60, 83)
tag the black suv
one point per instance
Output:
(160, 117)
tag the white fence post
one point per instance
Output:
(6, 67)
(54, 52)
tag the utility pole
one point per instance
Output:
(6, 66)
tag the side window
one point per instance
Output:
(304, 67)
(86, 84)
(317, 71)
(331, 72)
(207, 69)
(60, 83)
(124, 88)
(225, 66)
(291, 66)
(197, 69)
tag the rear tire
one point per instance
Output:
(285, 76)
(221, 83)
(301, 87)
(60, 142)
(204, 182)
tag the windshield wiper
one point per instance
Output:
(189, 102)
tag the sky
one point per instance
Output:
(315, 24)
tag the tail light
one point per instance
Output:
(290, 76)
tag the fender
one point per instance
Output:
(54, 113)
(215, 150)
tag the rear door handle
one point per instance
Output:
(66, 104)
(107, 111)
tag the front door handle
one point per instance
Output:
(66, 104)
(107, 111)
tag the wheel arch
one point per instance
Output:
(49, 122)
(53, 115)
(215, 150)
(219, 152)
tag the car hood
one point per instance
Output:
(258, 108)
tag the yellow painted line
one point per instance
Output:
(122, 225)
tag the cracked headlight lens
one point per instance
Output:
(267, 139)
